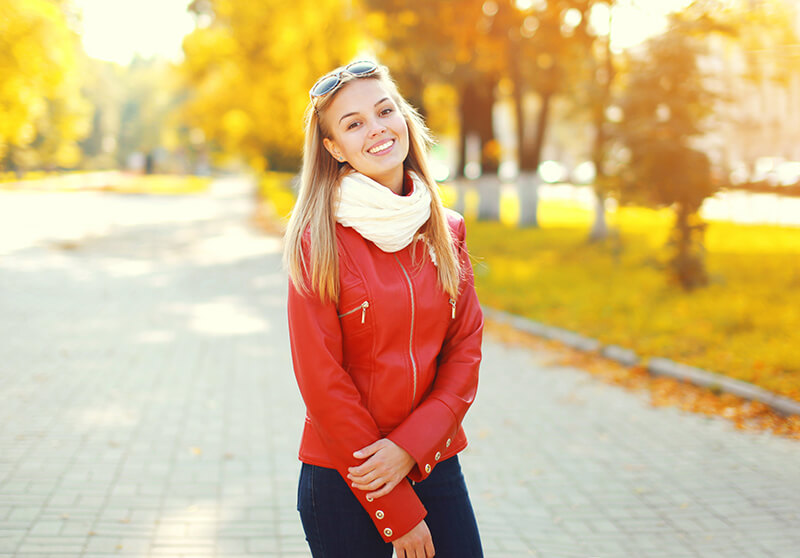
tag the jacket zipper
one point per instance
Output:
(453, 304)
(411, 335)
(363, 308)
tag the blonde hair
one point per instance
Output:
(314, 209)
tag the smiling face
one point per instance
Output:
(368, 131)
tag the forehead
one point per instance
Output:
(358, 95)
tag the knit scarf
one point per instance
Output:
(380, 215)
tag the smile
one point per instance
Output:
(382, 147)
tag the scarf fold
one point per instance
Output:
(380, 215)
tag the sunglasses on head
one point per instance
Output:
(331, 81)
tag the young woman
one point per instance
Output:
(385, 330)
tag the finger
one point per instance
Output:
(374, 485)
(430, 551)
(363, 453)
(366, 478)
(368, 465)
(386, 489)
(360, 471)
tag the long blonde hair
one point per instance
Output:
(314, 209)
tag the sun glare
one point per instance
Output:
(635, 21)
(116, 30)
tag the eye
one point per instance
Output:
(386, 111)
(352, 124)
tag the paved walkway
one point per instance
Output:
(148, 409)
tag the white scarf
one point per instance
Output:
(380, 215)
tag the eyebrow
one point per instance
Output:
(352, 113)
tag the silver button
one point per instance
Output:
(379, 514)
(427, 467)
(387, 532)
(369, 498)
(449, 441)
(438, 456)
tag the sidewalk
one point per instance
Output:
(148, 409)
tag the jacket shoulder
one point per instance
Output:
(456, 223)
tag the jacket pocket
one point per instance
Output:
(361, 307)
(355, 319)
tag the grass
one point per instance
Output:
(745, 324)
(126, 183)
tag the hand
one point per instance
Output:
(417, 543)
(386, 465)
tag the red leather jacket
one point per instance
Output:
(396, 358)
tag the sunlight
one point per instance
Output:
(224, 316)
(633, 22)
(117, 30)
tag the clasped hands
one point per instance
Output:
(386, 465)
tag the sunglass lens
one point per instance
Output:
(324, 86)
(359, 68)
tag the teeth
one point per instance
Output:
(381, 147)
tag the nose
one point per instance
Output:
(376, 128)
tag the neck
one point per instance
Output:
(393, 180)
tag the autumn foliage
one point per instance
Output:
(43, 112)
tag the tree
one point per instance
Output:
(250, 65)
(463, 52)
(42, 111)
(547, 52)
(664, 105)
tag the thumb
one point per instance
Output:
(363, 453)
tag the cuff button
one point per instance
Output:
(448, 442)
(427, 467)
(387, 532)
(379, 514)
(438, 456)
(369, 498)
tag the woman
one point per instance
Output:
(385, 329)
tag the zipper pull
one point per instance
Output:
(453, 304)
(364, 306)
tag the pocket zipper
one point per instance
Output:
(453, 304)
(363, 308)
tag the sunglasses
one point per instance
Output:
(330, 82)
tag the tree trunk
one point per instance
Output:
(463, 130)
(533, 157)
(687, 263)
(528, 194)
(599, 229)
(528, 179)
(489, 183)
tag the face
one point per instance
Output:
(368, 131)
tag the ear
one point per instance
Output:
(333, 149)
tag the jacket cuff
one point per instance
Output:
(395, 514)
(423, 442)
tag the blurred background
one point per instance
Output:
(630, 169)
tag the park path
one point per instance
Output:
(148, 409)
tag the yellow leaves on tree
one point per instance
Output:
(251, 67)
(42, 112)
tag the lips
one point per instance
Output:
(381, 147)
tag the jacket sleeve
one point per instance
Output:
(334, 407)
(426, 432)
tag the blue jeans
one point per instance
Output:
(336, 525)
